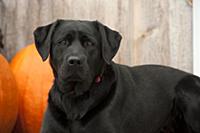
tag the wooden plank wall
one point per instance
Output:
(153, 31)
(163, 33)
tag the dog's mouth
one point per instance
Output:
(71, 86)
(72, 83)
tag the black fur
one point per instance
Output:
(1, 39)
(92, 94)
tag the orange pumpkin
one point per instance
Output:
(8, 97)
(34, 79)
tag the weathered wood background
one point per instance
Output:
(154, 31)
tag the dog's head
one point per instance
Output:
(78, 50)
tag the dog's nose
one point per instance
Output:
(74, 60)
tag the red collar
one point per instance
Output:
(98, 79)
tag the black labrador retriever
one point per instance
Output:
(92, 94)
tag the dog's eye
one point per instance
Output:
(88, 43)
(63, 42)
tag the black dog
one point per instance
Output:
(92, 94)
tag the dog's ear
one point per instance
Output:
(42, 36)
(110, 42)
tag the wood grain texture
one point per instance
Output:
(153, 31)
(180, 35)
(163, 33)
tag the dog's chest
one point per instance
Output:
(98, 124)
